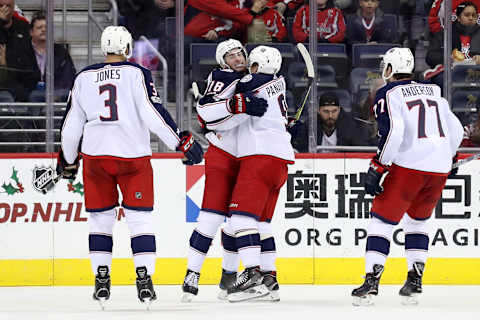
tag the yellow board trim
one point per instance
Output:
(73, 272)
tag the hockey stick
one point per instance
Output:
(466, 160)
(52, 183)
(311, 77)
(196, 92)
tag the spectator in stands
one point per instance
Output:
(465, 43)
(330, 23)
(436, 17)
(286, 8)
(335, 127)
(367, 25)
(19, 72)
(471, 134)
(268, 25)
(64, 70)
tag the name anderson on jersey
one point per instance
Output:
(417, 90)
(275, 88)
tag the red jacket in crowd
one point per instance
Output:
(274, 24)
(291, 4)
(330, 25)
(434, 22)
(223, 16)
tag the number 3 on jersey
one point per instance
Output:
(110, 102)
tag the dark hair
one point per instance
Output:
(39, 15)
(462, 7)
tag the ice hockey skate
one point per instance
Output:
(190, 285)
(102, 286)
(363, 295)
(145, 290)
(248, 286)
(228, 280)
(270, 281)
(413, 285)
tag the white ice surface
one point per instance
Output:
(298, 302)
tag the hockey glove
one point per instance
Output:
(66, 170)
(293, 126)
(248, 103)
(374, 174)
(191, 149)
(454, 171)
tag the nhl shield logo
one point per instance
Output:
(42, 176)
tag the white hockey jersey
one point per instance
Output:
(114, 106)
(265, 135)
(417, 129)
(214, 111)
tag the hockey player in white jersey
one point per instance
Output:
(111, 109)
(216, 109)
(264, 151)
(419, 137)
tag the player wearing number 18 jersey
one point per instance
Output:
(419, 135)
(112, 108)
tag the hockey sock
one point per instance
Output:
(268, 253)
(142, 238)
(201, 238)
(247, 239)
(416, 240)
(230, 253)
(378, 243)
(100, 241)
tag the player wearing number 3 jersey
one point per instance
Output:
(419, 136)
(112, 108)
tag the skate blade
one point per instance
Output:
(363, 301)
(187, 297)
(411, 300)
(101, 302)
(250, 294)
(272, 296)
(147, 302)
(222, 295)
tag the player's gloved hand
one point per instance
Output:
(68, 171)
(293, 126)
(372, 181)
(190, 148)
(454, 171)
(248, 103)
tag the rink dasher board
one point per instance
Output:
(319, 225)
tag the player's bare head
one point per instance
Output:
(263, 59)
(467, 13)
(116, 41)
(397, 63)
(231, 54)
(329, 109)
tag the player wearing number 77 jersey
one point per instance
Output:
(419, 135)
(112, 108)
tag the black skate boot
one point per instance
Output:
(248, 286)
(190, 285)
(413, 286)
(102, 286)
(145, 290)
(270, 281)
(228, 280)
(363, 295)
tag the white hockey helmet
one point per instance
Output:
(224, 47)
(117, 40)
(268, 59)
(400, 59)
